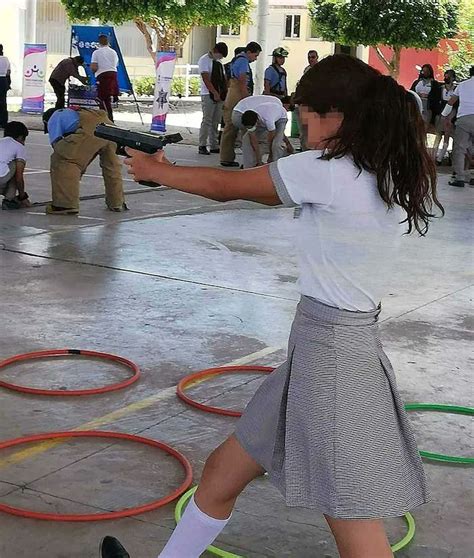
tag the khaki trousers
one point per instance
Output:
(73, 154)
(230, 132)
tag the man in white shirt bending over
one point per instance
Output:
(464, 132)
(12, 166)
(104, 64)
(262, 117)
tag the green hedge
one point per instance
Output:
(146, 85)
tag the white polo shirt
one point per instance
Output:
(10, 150)
(343, 228)
(465, 92)
(268, 108)
(106, 59)
(4, 66)
(205, 66)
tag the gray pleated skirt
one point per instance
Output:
(329, 425)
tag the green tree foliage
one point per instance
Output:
(165, 24)
(461, 57)
(394, 23)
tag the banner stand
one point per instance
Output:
(84, 38)
(34, 72)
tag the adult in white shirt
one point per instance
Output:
(104, 64)
(328, 425)
(464, 133)
(5, 82)
(12, 166)
(213, 93)
(262, 117)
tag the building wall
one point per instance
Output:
(297, 47)
(410, 59)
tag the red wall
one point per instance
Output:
(410, 58)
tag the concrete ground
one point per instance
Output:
(178, 284)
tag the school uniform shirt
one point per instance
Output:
(10, 150)
(106, 59)
(205, 66)
(268, 108)
(465, 92)
(343, 228)
(4, 66)
(63, 122)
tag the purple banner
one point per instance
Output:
(34, 72)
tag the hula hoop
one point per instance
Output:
(457, 409)
(209, 373)
(66, 352)
(21, 512)
(178, 512)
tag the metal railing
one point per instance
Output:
(185, 71)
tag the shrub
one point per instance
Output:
(146, 85)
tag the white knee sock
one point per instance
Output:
(193, 534)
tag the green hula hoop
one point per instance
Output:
(457, 409)
(178, 512)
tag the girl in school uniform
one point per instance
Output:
(328, 426)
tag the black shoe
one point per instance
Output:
(457, 183)
(230, 164)
(11, 204)
(203, 150)
(216, 150)
(110, 547)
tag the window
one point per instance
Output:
(313, 33)
(292, 26)
(230, 30)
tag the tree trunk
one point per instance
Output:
(393, 65)
(168, 38)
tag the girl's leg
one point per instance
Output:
(360, 538)
(436, 143)
(229, 469)
(227, 472)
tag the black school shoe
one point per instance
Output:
(203, 150)
(110, 547)
(457, 183)
(230, 164)
(11, 204)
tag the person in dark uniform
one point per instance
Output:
(67, 68)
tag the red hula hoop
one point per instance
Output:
(208, 373)
(74, 392)
(21, 512)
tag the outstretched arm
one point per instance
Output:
(216, 184)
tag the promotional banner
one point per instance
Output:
(85, 39)
(165, 62)
(34, 72)
(82, 96)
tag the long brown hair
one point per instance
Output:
(382, 131)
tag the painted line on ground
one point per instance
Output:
(109, 418)
(75, 216)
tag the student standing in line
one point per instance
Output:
(429, 91)
(464, 134)
(5, 85)
(213, 94)
(328, 426)
(241, 85)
